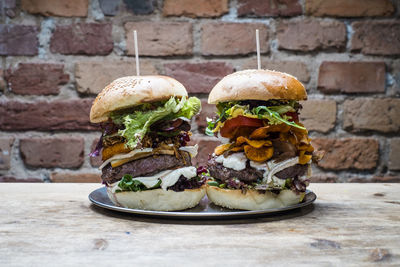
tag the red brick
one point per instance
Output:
(269, 8)
(207, 111)
(309, 35)
(52, 152)
(36, 79)
(348, 153)
(206, 148)
(62, 8)
(5, 152)
(368, 114)
(318, 115)
(202, 8)
(351, 77)
(226, 38)
(198, 77)
(89, 82)
(376, 37)
(95, 161)
(394, 155)
(349, 8)
(324, 178)
(12, 179)
(18, 40)
(295, 68)
(82, 39)
(68, 177)
(160, 38)
(55, 115)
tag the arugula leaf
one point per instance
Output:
(263, 112)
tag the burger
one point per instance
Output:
(145, 130)
(265, 156)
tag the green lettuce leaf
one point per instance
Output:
(138, 122)
(128, 184)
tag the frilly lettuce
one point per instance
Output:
(138, 122)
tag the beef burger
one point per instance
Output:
(146, 160)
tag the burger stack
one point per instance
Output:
(146, 159)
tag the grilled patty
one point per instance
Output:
(218, 171)
(144, 167)
(250, 174)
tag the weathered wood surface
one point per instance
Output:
(55, 225)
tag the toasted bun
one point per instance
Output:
(131, 91)
(257, 85)
(252, 199)
(158, 199)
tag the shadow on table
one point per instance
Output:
(283, 215)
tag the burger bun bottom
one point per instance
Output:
(252, 199)
(158, 199)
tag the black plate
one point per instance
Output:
(205, 209)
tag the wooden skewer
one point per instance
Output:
(136, 53)
(258, 49)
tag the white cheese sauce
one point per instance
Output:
(236, 161)
(168, 178)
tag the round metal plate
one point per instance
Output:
(205, 209)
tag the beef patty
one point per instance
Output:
(250, 174)
(218, 171)
(294, 171)
(144, 167)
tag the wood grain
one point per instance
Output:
(55, 225)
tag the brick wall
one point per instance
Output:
(55, 56)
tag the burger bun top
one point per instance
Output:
(257, 85)
(131, 91)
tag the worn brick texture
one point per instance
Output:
(352, 77)
(368, 114)
(82, 38)
(52, 152)
(36, 79)
(202, 8)
(57, 55)
(232, 38)
(348, 153)
(274, 8)
(160, 38)
(349, 8)
(62, 8)
(311, 34)
(198, 77)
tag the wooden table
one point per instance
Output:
(56, 225)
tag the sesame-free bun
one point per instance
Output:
(257, 85)
(158, 199)
(131, 91)
(252, 199)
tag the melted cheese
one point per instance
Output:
(168, 178)
(236, 161)
(192, 150)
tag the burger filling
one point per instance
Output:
(145, 147)
(267, 148)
